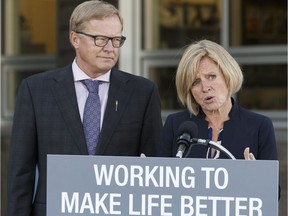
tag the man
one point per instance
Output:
(50, 114)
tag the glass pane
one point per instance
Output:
(29, 27)
(265, 87)
(258, 22)
(164, 77)
(172, 24)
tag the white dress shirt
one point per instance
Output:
(82, 92)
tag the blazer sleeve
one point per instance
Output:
(267, 149)
(22, 158)
(152, 125)
(167, 139)
(167, 147)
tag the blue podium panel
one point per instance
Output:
(109, 185)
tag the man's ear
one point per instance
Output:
(74, 39)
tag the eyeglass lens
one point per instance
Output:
(102, 41)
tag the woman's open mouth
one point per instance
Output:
(208, 99)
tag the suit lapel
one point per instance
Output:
(119, 94)
(65, 96)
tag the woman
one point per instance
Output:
(206, 79)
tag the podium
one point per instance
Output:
(109, 185)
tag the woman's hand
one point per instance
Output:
(248, 155)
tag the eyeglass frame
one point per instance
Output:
(122, 39)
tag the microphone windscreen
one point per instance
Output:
(188, 127)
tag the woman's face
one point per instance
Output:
(209, 88)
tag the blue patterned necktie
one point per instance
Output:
(92, 115)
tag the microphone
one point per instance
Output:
(186, 131)
(212, 144)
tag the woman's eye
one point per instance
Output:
(196, 82)
(212, 77)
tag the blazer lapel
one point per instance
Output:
(202, 125)
(119, 94)
(65, 96)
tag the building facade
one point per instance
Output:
(34, 38)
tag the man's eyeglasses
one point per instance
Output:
(101, 41)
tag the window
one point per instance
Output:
(265, 87)
(175, 23)
(29, 27)
(258, 22)
(170, 25)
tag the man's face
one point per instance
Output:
(92, 59)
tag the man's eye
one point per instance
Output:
(117, 39)
(101, 38)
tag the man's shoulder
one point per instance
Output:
(134, 79)
(52, 73)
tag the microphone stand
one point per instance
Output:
(211, 144)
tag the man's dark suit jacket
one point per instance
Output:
(47, 121)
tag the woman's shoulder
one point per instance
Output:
(179, 115)
(252, 116)
(175, 119)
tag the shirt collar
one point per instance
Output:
(79, 74)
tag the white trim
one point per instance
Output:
(127, 56)
(224, 33)
(11, 25)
